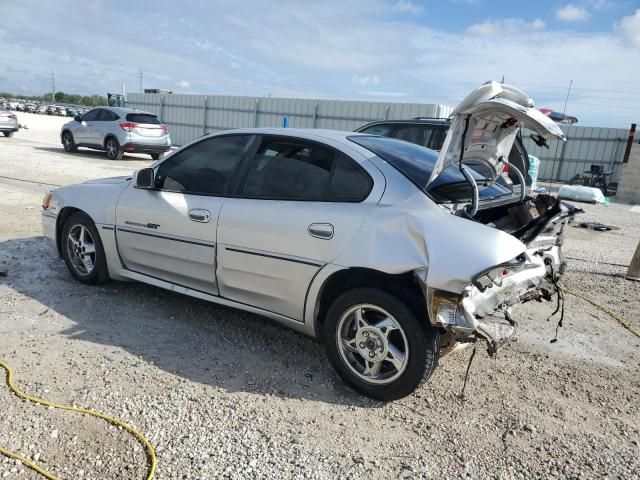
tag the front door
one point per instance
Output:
(170, 232)
(82, 135)
(300, 205)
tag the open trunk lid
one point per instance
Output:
(488, 120)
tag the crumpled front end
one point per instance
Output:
(484, 308)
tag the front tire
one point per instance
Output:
(112, 148)
(155, 156)
(8, 134)
(378, 345)
(68, 143)
(82, 250)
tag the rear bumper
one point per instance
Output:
(8, 127)
(145, 148)
(484, 312)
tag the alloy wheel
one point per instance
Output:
(81, 249)
(112, 148)
(372, 343)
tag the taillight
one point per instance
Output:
(164, 128)
(128, 126)
(13, 116)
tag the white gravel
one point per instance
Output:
(226, 394)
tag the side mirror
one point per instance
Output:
(77, 118)
(144, 178)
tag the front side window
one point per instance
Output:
(91, 115)
(295, 171)
(205, 168)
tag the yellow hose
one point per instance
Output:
(622, 322)
(28, 463)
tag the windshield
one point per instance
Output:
(416, 163)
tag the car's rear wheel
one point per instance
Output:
(378, 345)
(155, 156)
(68, 143)
(112, 148)
(8, 134)
(82, 250)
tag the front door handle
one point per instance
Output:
(199, 215)
(321, 230)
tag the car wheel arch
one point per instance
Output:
(404, 286)
(63, 216)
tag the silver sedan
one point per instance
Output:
(386, 251)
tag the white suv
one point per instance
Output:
(116, 131)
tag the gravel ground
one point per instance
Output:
(226, 394)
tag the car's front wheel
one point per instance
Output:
(82, 250)
(378, 345)
(113, 149)
(68, 143)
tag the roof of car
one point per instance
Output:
(124, 110)
(411, 121)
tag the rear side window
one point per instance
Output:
(283, 170)
(350, 182)
(143, 118)
(204, 168)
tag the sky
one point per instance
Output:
(432, 51)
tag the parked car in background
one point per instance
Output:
(431, 133)
(8, 123)
(385, 250)
(117, 130)
(61, 111)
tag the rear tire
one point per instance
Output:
(112, 147)
(8, 134)
(82, 250)
(155, 156)
(68, 143)
(378, 345)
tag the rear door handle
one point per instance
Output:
(321, 230)
(199, 215)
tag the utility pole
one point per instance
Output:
(567, 99)
(140, 78)
(53, 87)
(555, 156)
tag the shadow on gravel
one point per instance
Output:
(200, 341)
(88, 153)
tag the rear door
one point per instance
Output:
(299, 205)
(170, 232)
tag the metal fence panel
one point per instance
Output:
(190, 116)
(584, 146)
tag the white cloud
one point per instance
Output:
(506, 26)
(365, 80)
(313, 50)
(572, 13)
(408, 7)
(629, 28)
(183, 84)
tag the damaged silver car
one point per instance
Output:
(386, 251)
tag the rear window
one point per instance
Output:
(142, 118)
(416, 163)
(413, 161)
